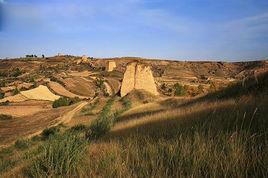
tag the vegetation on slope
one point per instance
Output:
(209, 137)
(4, 117)
(64, 101)
(58, 152)
(61, 155)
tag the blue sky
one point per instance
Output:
(167, 29)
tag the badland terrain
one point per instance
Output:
(75, 116)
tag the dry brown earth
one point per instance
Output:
(25, 108)
(60, 90)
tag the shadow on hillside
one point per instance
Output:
(231, 118)
(139, 115)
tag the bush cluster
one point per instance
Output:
(4, 117)
(64, 101)
(50, 132)
(179, 90)
(22, 144)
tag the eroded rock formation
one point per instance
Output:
(110, 65)
(138, 76)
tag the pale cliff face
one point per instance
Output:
(138, 76)
(128, 80)
(110, 66)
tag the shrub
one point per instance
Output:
(2, 95)
(61, 156)
(63, 101)
(15, 91)
(50, 132)
(99, 83)
(179, 90)
(22, 144)
(2, 83)
(15, 73)
(4, 117)
(36, 138)
(78, 128)
(3, 74)
(6, 103)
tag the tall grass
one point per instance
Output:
(60, 156)
(103, 123)
(225, 141)
(106, 119)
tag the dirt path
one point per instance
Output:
(68, 116)
(65, 118)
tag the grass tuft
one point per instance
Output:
(22, 144)
(61, 156)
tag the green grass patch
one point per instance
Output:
(78, 128)
(106, 119)
(64, 101)
(103, 123)
(60, 156)
(22, 144)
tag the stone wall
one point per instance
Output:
(138, 76)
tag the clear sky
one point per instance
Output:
(168, 29)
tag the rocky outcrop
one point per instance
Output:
(138, 76)
(110, 65)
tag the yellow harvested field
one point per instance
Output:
(60, 90)
(40, 93)
(15, 98)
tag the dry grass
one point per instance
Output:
(25, 108)
(218, 139)
(181, 138)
